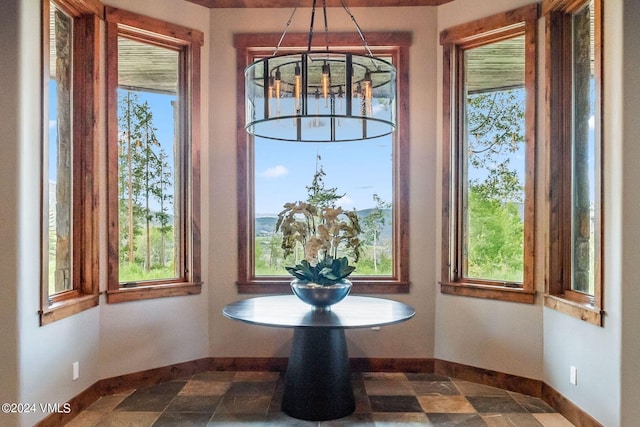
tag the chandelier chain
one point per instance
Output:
(364, 41)
(313, 18)
(326, 24)
(286, 28)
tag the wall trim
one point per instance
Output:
(488, 377)
(535, 388)
(567, 408)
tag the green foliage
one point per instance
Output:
(135, 273)
(319, 196)
(494, 239)
(145, 179)
(496, 131)
(270, 262)
(382, 265)
(328, 271)
(373, 225)
(495, 125)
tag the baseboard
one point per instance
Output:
(567, 408)
(269, 364)
(488, 377)
(149, 377)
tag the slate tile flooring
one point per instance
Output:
(382, 399)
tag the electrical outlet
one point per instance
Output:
(573, 375)
(76, 370)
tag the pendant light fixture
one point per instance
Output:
(321, 95)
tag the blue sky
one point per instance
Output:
(359, 169)
(162, 121)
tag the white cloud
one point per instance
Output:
(275, 172)
(378, 108)
(592, 122)
(52, 124)
(345, 202)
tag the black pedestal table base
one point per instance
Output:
(318, 381)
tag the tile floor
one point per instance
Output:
(382, 399)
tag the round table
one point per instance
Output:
(317, 383)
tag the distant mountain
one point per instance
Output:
(265, 224)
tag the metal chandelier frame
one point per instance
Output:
(322, 95)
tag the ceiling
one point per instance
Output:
(330, 3)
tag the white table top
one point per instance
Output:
(287, 311)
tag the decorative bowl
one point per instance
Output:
(321, 297)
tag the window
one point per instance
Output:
(489, 157)
(69, 226)
(370, 177)
(574, 81)
(153, 158)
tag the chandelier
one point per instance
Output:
(321, 95)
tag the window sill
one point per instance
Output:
(278, 285)
(153, 291)
(66, 308)
(500, 293)
(579, 310)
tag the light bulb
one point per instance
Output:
(326, 82)
(297, 88)
(368, 93)
(277, 89)
(271, 86)
(271, 89)
(278, 83)
(317, 96)
(340, 98)
(358, 91)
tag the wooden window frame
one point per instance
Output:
(84, 294)
(558, 288)
(189, 42)
(396, 44)
(521, 21)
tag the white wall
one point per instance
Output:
(630, 277)
(410, 339)
(44, 356)
(9, 235)
(107, 340)
(502, 336)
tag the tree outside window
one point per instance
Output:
(145, 190)
(489, 147)
(153, 158)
